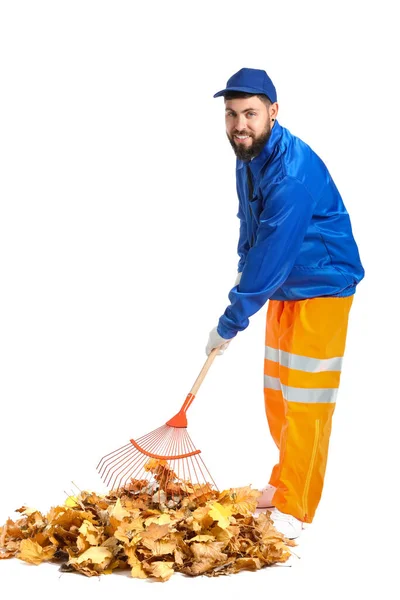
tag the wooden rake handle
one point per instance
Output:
(179, 420)
(203, 372)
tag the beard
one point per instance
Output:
(247, 153)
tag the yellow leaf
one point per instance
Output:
(201, 515)
(160, 547)
(154, 463)
(71, 501)
(240, 500)
(161, 520)
(209, 550)
(90, 533)
(119, 512)
(155, 532)
(160, 569)
(201, 538)
(96, 555)
(134, 562)
(127, 529)
(138, 571)
(251, 564)
(33, 553)
(220, 514)
(82, 544)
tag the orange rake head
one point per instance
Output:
(163, 461)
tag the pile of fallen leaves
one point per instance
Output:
(199, 531)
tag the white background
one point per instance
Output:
(118, 236)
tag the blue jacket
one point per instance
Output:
(295, 238)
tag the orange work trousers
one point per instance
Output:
(304, 348)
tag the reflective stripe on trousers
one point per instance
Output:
(304, 348)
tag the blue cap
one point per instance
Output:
(253, 81)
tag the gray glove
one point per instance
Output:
(238, 278)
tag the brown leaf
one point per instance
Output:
(154, 532)
(208, 550)
(6, 554)
(160, 547)
(151, 530)
(199, 567)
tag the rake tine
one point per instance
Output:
(110, 462)
(110, 454)
(116, 468)
(128, 469)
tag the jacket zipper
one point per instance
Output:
(310, 468)
(253, 219)
(250, 188)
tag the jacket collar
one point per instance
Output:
(258, 161)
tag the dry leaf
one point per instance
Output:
(240, 500)
(152, 530)
(221, 514)
(96, 555)
(118, 511)
(160, 569)
(31, 552)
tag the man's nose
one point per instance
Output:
(240, 123)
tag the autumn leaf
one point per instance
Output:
(10, 529)
(151, 533)
(199, 567)
(162, 519)
(90, 533)
(118, 511)
(67, 517)
(26, 511)
(202, 516)
(71, 501)
(209, 550)
(160, 547)
(6, 553)
(127, 529)
(31, 552)
(155, 532)
(240, 500)
(137, 568)
(220, 514)
(160, 569)
(154, 463)
(202, 538)
(96, 555)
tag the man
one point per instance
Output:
(296, 250)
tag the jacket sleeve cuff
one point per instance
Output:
(225, 332)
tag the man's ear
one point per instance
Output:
(273, 111)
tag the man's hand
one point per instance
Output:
(216, 341)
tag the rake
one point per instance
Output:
(165, 458)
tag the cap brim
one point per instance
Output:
(238, 89)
